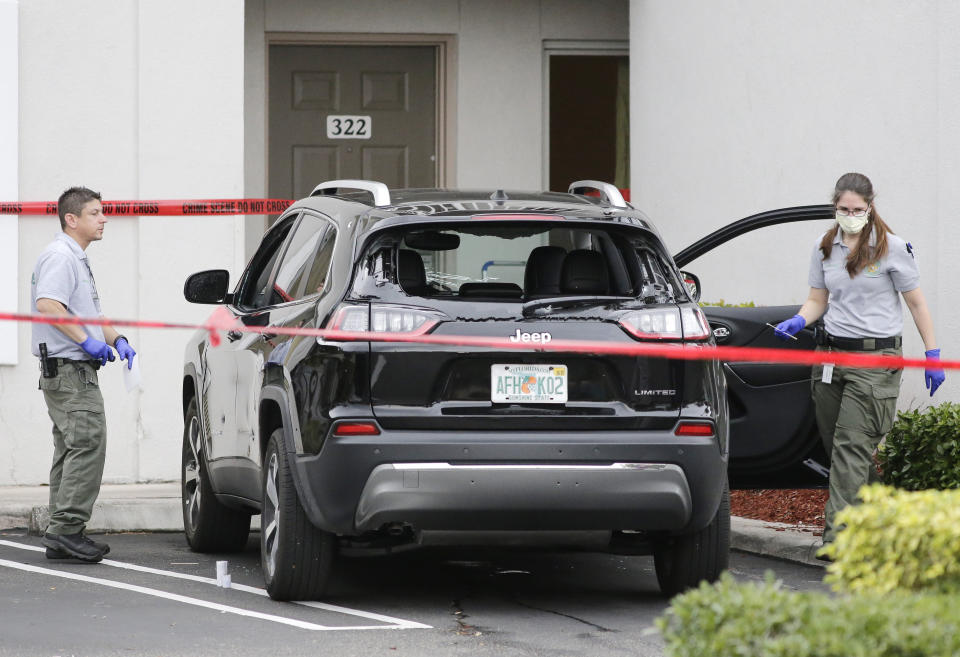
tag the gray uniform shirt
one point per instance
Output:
(63, 274)
(867, 305)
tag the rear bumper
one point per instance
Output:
(449, 496)
(611, 480)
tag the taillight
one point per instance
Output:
(385, 319)
(695, 324)
(701, 429)
(653, 324)
(686, 323)
(353, 428)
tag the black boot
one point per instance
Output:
(57, 553)
(76, 545)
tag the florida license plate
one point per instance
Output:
(530, 384)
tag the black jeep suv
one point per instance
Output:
(390, 440)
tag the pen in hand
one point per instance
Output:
(792, 337)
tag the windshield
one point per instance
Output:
(520, 261)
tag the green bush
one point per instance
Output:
(896, 540)
(922, 449)
(731, 619)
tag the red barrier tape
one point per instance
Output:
(222, 320)
(174, 208)
(178, 208)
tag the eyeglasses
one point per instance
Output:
(852, 212)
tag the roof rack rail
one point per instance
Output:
(381, 195)
(612, 194)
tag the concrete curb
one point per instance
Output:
(120, 508)
(116, 516)
(774, 539)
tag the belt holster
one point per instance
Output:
(48, 366)
(820, 336)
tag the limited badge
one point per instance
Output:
(873, 270)
(827, 373)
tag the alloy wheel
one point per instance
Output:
(192, 489)
(270, 520)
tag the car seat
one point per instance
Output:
(541, 277)
(411, 274)
(584, 272)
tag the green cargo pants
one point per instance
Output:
(75, 405)
(854, 412)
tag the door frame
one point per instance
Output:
(445, 97)
(553, 47)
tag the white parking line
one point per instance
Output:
(392, 623)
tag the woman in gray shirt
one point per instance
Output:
(858, 271)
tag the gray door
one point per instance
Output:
(395, 86)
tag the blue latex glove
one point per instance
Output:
(125, 350)
(933, 377)
(97, 349)
(790, 327)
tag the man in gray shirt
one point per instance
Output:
(71, 354)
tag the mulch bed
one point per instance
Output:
(802, 507)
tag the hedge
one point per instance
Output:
(896, 540)
(765, 620)
(922, 449)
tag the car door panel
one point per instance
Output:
(750, 327)
(234, 369)
(772, 424)
(245, 467)
(231, 374)
(770, 405)
(217, 396)
(293, 306)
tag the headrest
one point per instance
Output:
(410, 271)
(584, 272)
(542, 273)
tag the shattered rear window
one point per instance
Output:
(520, 260)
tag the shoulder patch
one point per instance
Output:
(910, 249)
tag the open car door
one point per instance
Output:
(774, 441)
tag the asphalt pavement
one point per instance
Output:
(153, 596)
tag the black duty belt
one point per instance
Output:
(863, 344)
(95, 364)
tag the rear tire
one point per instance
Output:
(208, 525)
(685, 561)
(297, 558)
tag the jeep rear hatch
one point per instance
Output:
(532, 281)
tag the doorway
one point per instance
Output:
(341, 112)
(589, 118)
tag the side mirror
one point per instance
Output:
(208, 287)
(692, 284)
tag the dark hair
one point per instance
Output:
(862, 255)
(72, 202)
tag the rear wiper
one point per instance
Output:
(562, 302)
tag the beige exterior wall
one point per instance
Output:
(129, 98)
(109, 100)
(739, 107)
(765, 112)
(9, 158)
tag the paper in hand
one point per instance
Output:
(131, 376)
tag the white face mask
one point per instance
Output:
(852, 225)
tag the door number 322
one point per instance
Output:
(344, 126)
